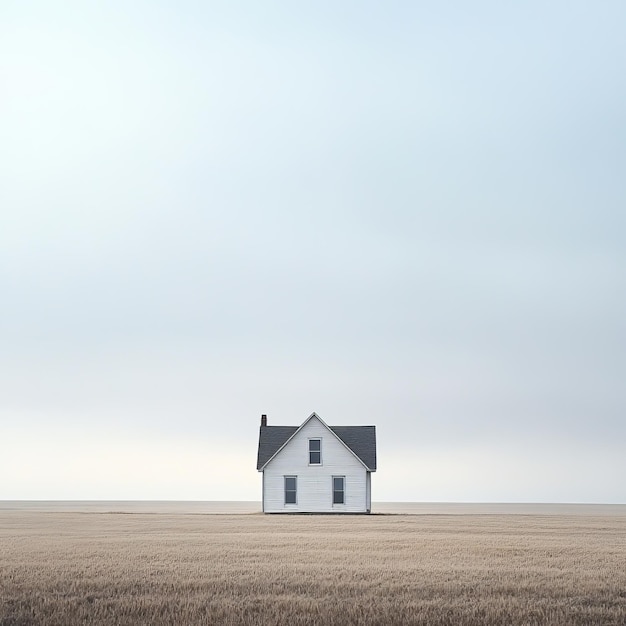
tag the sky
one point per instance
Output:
(406, 214)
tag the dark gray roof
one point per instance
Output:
(270, 439)
(360, 439)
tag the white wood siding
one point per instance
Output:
(315, 489)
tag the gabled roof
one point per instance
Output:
(360, 440)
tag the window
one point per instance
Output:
(339, 489)
(315, 451)
(290, 489)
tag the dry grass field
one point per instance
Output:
(95, 568)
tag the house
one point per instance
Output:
(316, 468)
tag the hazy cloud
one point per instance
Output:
(405, 215)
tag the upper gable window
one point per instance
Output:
(315, 451)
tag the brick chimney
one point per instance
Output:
(264, 420)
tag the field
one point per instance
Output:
(114, 568)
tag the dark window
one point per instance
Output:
(315, 451)
(339, 490)
(290, 489)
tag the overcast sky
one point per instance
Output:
(407, 214)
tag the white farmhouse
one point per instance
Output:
(315, 468)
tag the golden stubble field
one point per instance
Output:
(95, 568)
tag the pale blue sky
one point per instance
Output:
(405, 214)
